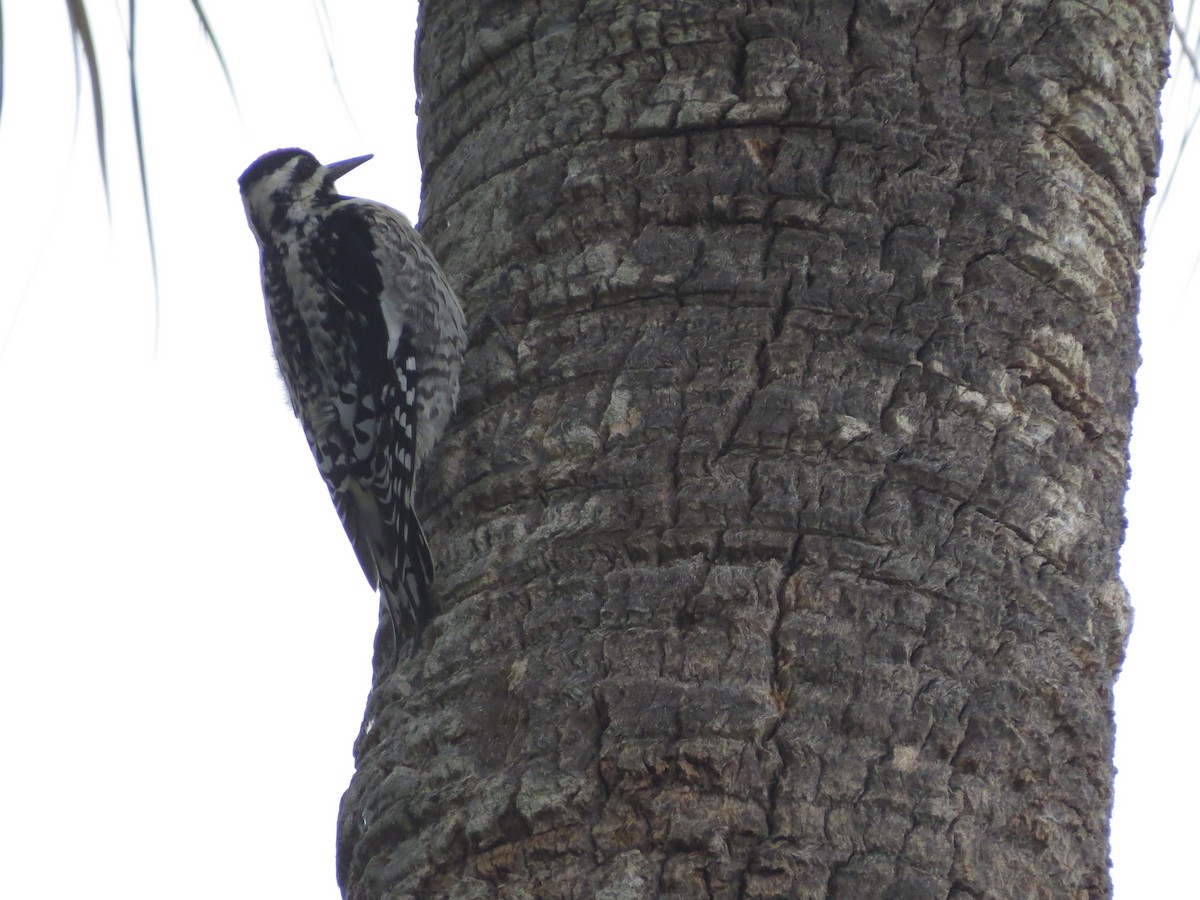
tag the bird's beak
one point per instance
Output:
(334, 171)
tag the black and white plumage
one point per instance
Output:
(369, 338)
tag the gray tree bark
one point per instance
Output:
(777, 534)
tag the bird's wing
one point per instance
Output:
(375, 418)
(415, 300)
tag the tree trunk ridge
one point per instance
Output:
(777, 533)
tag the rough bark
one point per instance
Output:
(777, 534)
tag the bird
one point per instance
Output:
(369, 335)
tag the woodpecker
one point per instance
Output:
(369, 337)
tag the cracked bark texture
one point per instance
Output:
(777, 533)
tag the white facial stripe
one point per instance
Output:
(259, 199)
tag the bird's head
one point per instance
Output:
(283, 184)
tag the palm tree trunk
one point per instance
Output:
(777, 534)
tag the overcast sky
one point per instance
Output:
(179, 694)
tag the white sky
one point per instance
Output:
(178, 694)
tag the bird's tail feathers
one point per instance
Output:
(408, 590)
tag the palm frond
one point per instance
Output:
(141, 157)
(1181, 32)
(1181, 35)
(216, 46)
(81, 37)
(325, 25)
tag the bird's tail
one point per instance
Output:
(406, 568)
(407, 589)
